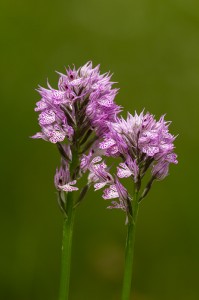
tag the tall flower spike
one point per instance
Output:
(142, 143)
(74, 117)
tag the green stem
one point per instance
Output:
(129, 251)
(67, 235)
(66, 249)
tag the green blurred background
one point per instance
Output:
(152, 47)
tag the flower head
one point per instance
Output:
(74, 117)
(84, 100)
(141, 141)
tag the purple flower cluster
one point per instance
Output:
(74, 117)
(142, 143)
(83, 101)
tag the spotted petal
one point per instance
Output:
(110, 193)
(68, 187)
(99, 185)
(124, 171)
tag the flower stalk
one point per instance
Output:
(129, 250)
(68, 225)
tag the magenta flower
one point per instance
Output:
(99, 174)
(74, 117)
(142, 143)
(62, 179)
(127, 169)
(83, 101)
(117, 190)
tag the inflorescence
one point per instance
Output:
(81, 118)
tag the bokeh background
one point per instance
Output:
(152, 47)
